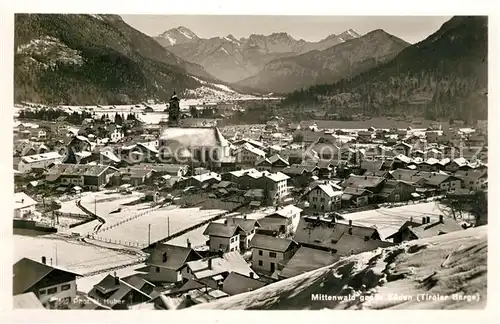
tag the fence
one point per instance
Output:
(189, 229)
(137, 244)
(147, 211)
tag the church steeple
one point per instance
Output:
(174, 110)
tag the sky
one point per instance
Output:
(310, 28)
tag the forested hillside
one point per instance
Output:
(443, 76)
(93, 59)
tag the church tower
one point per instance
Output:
(174, 111)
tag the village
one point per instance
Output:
(119, 211)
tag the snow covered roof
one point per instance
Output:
(22, 200)
(229, 262)
(277, 177)
(271, 243)
(41, 157)
(287, 211)
(328, 189)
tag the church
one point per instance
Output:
(196, 146)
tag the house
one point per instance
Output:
(223, 237)
(235, 176)
(355, 197)
(301, 174)
(275, 183)
(341, 239)
(414, 231)
(107, 157)
(326, 150)
(236, 283)
(274, 163)
(174, 170)
(268, 252)
(24, 206)
(396, 190)
(115, 133)
(289, 216)
(135, 176)
(250, 141)
(272, 226)
(42, 134)
(93, 177)
(370, 167)
(324, 197)
(440, 181)
(248, 227)
(457, 164)
(403, 148)
(248, 154)
(38, 161)
(473, 179)
(165, 262)
(205, 180)
(53, 286)
(212, 271)
(365, 136)
(120, 293)
(194, 145)
(374, 184)
(305, 260)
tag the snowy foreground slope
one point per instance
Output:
(423, 274)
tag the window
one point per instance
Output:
(157, 269)
(51, 291)
(260, 263)
(272, 254)
(43, 292)
(65, 287)
(260, 252)
(322, 199)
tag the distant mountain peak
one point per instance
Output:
(178, 35)
(349, 34)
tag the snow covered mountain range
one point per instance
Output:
(231, 59)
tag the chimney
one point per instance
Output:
(424, 219)
(428, 220)
(188, 243)
(251, 275)
(210, 263)
(441, 218)
(44, 260)
(117, 279)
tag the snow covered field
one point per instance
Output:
(103, 203)
(196, 238)
(389, 220)
(163, 222)
(70, 207)
(442, 272)
(70, 254)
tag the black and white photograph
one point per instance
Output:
(249, 162)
